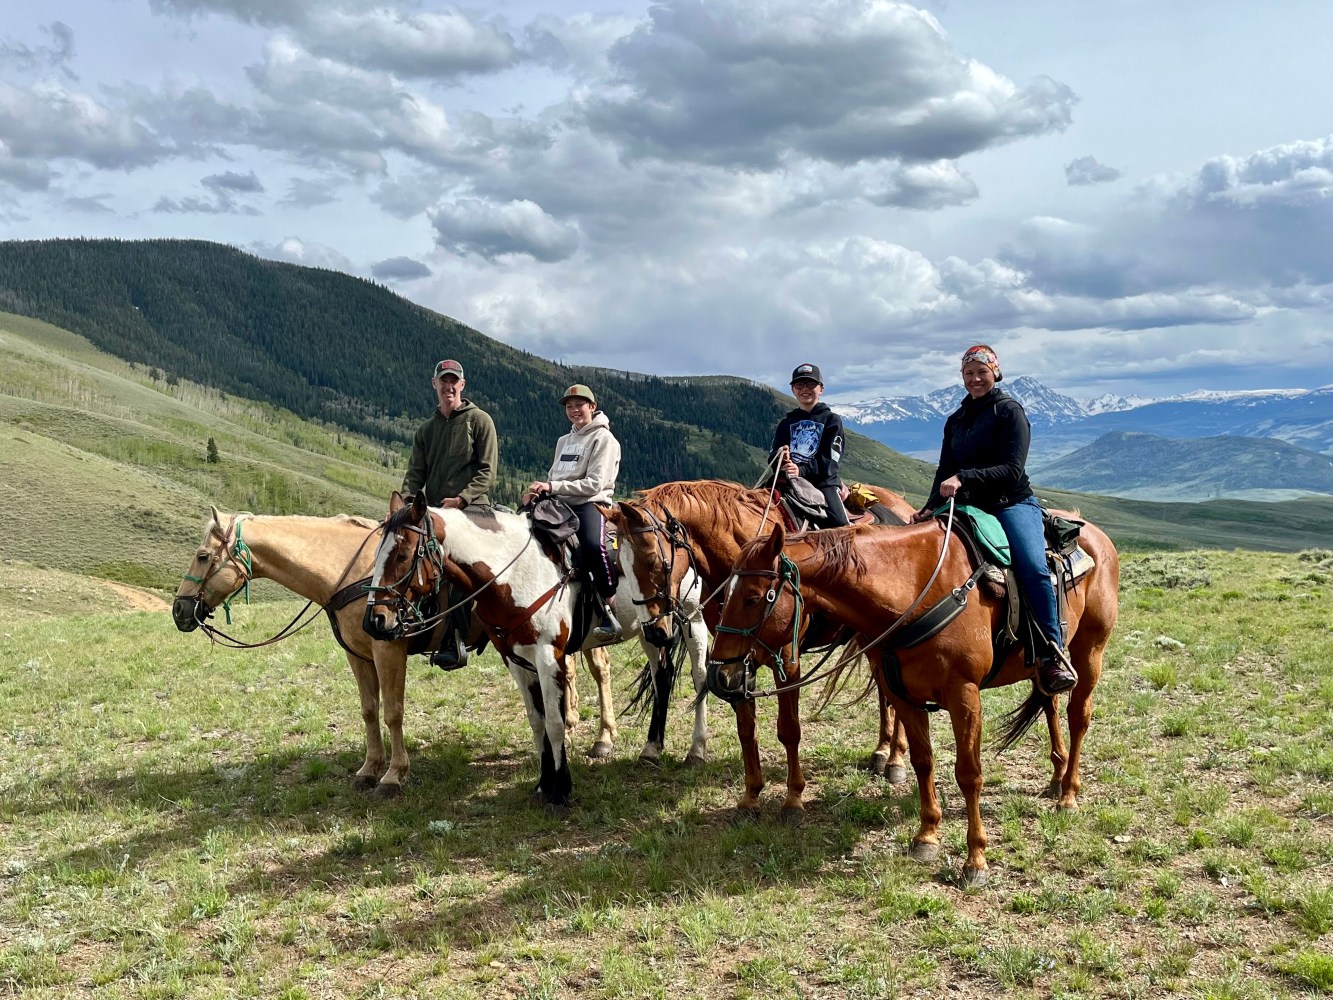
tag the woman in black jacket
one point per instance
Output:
(983, 463)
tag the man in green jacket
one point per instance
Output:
(454, 458)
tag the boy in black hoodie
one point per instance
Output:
(812, 437)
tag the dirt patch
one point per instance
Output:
(138, 600)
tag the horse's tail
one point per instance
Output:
(645, 695)
(1020, 720)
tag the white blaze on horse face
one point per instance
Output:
(382, 553)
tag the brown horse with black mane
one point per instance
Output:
(866, 578)
(709, 521)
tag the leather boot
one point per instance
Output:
(1054, 674)
(452, 654)
(607, 630)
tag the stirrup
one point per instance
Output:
(450, 655)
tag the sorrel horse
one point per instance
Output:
(524, 601)
(866, 578)
(320, 558)
(709, 521)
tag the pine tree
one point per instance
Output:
(213, 457)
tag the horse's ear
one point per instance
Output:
(419, 505)
(395, 502)
(215, 525)
(777, 539)
(611, 511)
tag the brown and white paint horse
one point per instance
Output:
(316, 557)
(867, 577)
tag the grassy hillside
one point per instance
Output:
(105, 471)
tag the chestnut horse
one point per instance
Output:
(319, 558)
(707, 522)
(866, 578)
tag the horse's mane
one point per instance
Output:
(718, 496)
(836, 552)
(398, 519)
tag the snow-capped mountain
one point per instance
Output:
(1062, 424)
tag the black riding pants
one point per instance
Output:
(594, 553)
(837, 513)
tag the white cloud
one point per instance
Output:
(1087, 170)
(744, 84)
(491, 230)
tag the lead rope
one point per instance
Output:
(862, 650)
(776, 466)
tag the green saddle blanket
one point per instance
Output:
(985, 528)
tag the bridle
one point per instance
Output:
(792, 578)
(676, 539)
(787, 574)
(411, 616)
(237, 552)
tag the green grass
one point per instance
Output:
(177, 820)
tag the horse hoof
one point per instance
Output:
(1067, 807)
(556, 809)
(696, 760)
(388, 790)
(654, 761)
(792, 816)
(1051, 791)
(896, 774)
(973, 878)
(601, 750)
(923, 851)
(745, 814)
(877, 763)
(365, 782)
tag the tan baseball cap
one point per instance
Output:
(578, 391)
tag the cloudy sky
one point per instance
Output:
(1131, 196)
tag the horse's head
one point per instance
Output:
(761, 619)
(654, 558)
(220, 568)
(408, 568)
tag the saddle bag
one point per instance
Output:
(553, 519)
(805, 499)
(1061, 532)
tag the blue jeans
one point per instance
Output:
(1022, 523)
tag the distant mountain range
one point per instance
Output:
(1062, 425)
(1131, 464)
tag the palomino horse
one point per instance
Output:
(321, 558)
(709, 521)
(867, 578)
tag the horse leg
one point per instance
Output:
(926, 842)
(789, 733)
(1059, 755)
(599, 665)
(368, 687)
(556, 782)
(1089, 668)
(571, 699)
(965, 714)
(754, 774)
(887, 760)
(696, 643)
(660, 670)
(391, 664)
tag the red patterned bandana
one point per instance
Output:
(983, 353)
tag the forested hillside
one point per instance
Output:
(351, 353)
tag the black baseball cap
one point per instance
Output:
(806, 373)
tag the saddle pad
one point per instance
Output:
(985, 529)
(1079, 565)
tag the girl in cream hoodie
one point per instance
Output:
(584, 470)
